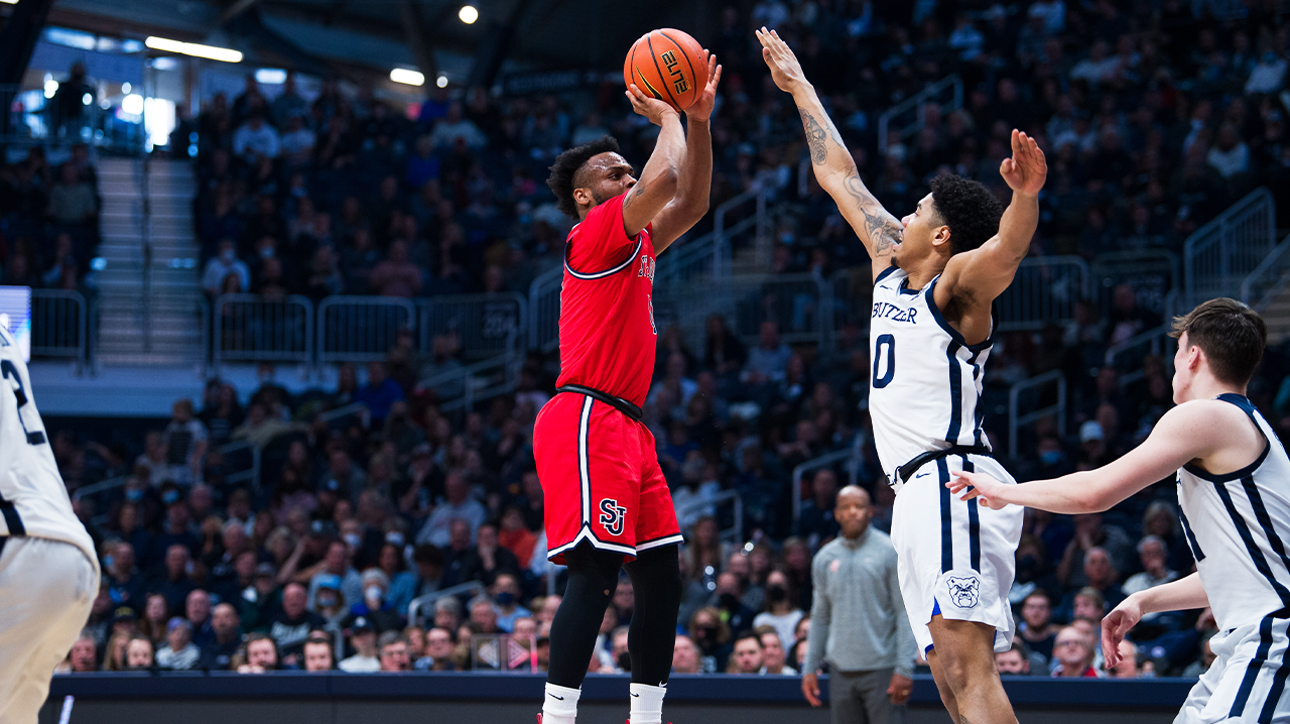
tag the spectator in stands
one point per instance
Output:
(362, 636)
(767, 361)
(179, 653)
(1153, 553)
(260, 654)
(1013, 661)
(506, 594)
(197, 609)
(1130, 664)
(297, 143)
(176, 584)
(685, 657)
(780, 609)
(454, 128)
(711, 634)
(1073, 654)
(337, 567)
(817, 522)
(138, 653)
(394, 655)
(256, 140)
(396, 276)
(457, 505)
(72, 202)
(748, 655)
(124, 579)
(185, 442)
(773, 657)
(83, 657)
(318, 653)
(291, 625)
(218, 652)
(1102, 578)
(1037, 629)
(379, 393)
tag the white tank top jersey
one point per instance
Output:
(1238, 525)
(33, 498)
(925, 390)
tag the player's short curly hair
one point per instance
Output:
(564, 171)
(970, 210)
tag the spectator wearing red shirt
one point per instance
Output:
(396, 276)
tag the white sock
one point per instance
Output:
(560, 705)
(647, 703)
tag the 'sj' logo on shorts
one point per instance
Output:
(612, 516)
(964, 591)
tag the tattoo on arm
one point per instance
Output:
(631, 195)
(816, 138)
(882, 229)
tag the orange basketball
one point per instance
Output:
(668, 64)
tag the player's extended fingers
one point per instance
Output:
(716, 78)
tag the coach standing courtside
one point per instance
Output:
(858, 621)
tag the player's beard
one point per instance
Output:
(598, 199)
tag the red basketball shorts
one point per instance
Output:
(600, 479)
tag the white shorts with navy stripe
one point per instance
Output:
(1247, 681)
(955, 558)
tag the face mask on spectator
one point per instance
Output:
(394, 538)
(625, 661)
(326, 600)
(373, 593)
(170, 497)
(776, 593)
(354, 540)
(107, 561)
(1051, 457)
(226, 256)
(266, 252)
(134, 496)
(505, 598)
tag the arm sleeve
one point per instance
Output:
(600, 242)
(906, 646)
(817, 636)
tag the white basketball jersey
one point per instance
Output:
(1237, 525)
(925, 390)
(33, 498)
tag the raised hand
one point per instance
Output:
(784, 68)
(652, 108)
(1026, 170)
(977, 485)
(702, 108)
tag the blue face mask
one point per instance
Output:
(134, 496)
(505, 598)
(1051, 457)
(170, 497)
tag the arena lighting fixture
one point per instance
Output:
(441, 81)
(407, 76)
(11, 2)
(468, 14)
(271, 76)
(197, 50)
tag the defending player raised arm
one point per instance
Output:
(657, 183)
(834, 168)
(694, 180)
(982, 274)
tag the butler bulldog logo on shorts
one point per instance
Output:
(964, 591)
(612, 516)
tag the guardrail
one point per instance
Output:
(735, 533)
(1015, 421)
(1153, 274)
(918, 103)
(1044, 291)
(1268, 279)
(249, 327)
(59, 324)
(797, 303)
(27, 117)
(826, 460)
(244, 455)
(416, 604)
(1153, 341)
(1220, 254)
(98, 494)
(544, 309)
(361, 329)
(484, 323)
(483, 380)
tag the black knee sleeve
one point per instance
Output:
(656, 583)
(593, 576)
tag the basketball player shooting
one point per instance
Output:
(1235, 509)
(936, 275)
(49, 572)
(607, 500)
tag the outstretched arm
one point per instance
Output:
(982, 274)
(694, 182)
(1183, 434)
(658, 180)
(1181, 595)
(834, 168)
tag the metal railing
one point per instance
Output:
(850, 300)
(484, 323)
(1268, 279)
(250, 327)
(464, 386)
(27, 117)
(99, 493)
(246, 456)
(420, 602)
(59, 324)
(735, 533)
(1016, 420)
(1220, 254)
(797, 303)
(544, 309)
(917, 103)
(1154, 341)
(1152, 274)
(357, 410)
(1045, 290)
(823, 461)
(361, 329)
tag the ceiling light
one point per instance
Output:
(271, 76)
(441, 81)
(407, 76)
(197, 50)
(468, 14)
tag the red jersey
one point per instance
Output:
(607, 333)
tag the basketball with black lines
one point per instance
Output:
(669, 65)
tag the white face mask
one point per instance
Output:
(353, 539)
(373, 593)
